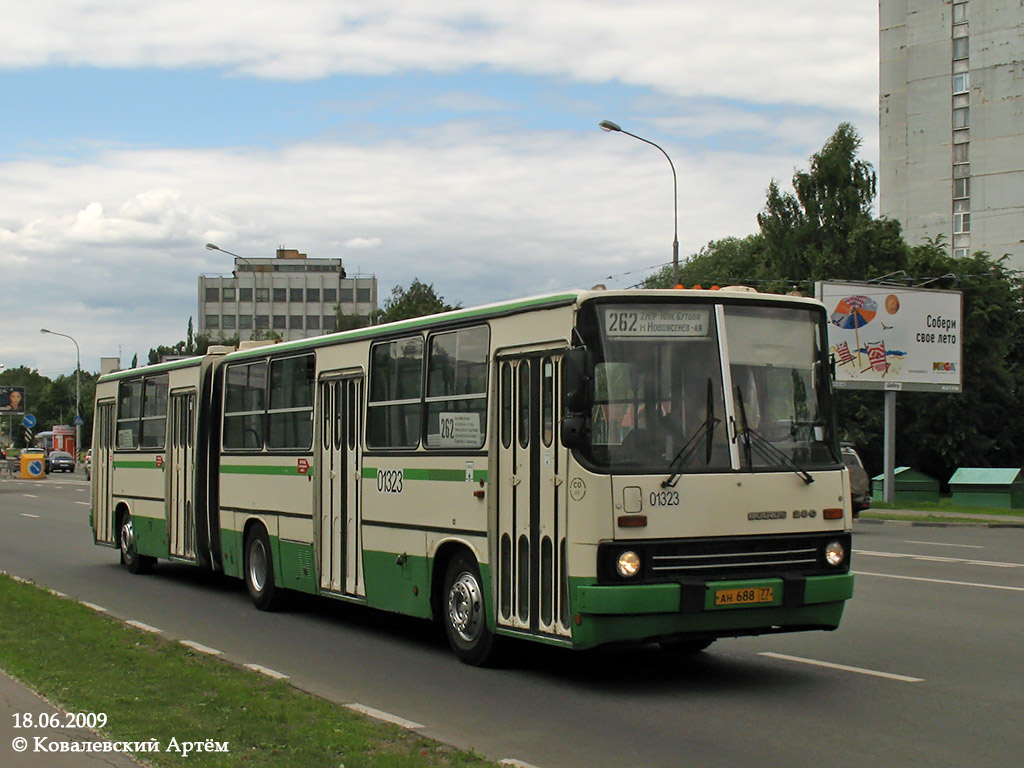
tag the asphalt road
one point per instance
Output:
(926, 669)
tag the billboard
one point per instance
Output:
(884, 337)
(12, 399)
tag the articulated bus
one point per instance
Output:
(577, 469)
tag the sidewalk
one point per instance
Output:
(17, 700)
(992, 519)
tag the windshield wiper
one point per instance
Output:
(707, 431)
(754, 441)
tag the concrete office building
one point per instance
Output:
(290, 295)
(951, 115)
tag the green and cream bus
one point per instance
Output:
(577, 469)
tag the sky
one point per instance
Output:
(451, 141)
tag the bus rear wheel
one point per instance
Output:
(259, 571)
(464, 613)
(130, 557)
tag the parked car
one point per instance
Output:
(60, 461)
(860, 482)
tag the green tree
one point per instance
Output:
(420, 299)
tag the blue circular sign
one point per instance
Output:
(35, 468)
(28, 420)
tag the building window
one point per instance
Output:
(330, 322)
(961, 82)
(245, 322)
(213, 321)
(312, 322)
(363, 295)
(280, 322)
(961, 152)
(960, 253)
(313, 294)
(961, 223)
(961, 48)
(961, 118)
(212, 294)
(330, 294)
(227, 322)
(262, 322)
(228, 294)
(961, 188)
(245, 294)
(295, 322)
(297, 295)
(262, 294)
(959, 13)
(280, 294)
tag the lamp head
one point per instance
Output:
(212, 247)
(609, 126)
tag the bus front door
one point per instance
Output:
(531, 563)
(337, 516)
(181, 476)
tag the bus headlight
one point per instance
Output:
(835, 553)
(628, 564)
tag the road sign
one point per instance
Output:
(79, 421)
(28, 420)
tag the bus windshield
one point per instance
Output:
(697, 388)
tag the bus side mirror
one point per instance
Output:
(577, 380)
(575, 431)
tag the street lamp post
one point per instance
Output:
(610, 127)
(78, 388)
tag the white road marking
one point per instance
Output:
(387, 717)
(943, 544)
(83, 503)
(266, 671)
(937, 559)
(942, 581)
(26, 514)
(202, 648)
(844, 668)
(143, 627)
(30, 496)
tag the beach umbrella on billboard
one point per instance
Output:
(853, 313)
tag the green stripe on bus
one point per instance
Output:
(263, 469)
(136, 464)
(443, 475)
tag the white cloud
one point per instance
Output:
(790, 51)
(110, 249)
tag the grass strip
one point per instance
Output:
(152, 688)
(945, 506)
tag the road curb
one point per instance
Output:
(941, 524)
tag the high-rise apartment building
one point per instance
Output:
(293, 296)
(951, 116)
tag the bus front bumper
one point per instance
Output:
(617, 613)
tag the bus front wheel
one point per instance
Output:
(259, 571)
(130, 557)
(464, 613)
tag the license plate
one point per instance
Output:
(744, 596)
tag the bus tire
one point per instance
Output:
(259, 570)
(464, 612)
(130, 557)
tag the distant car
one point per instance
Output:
(860, 483)
(60, 461)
